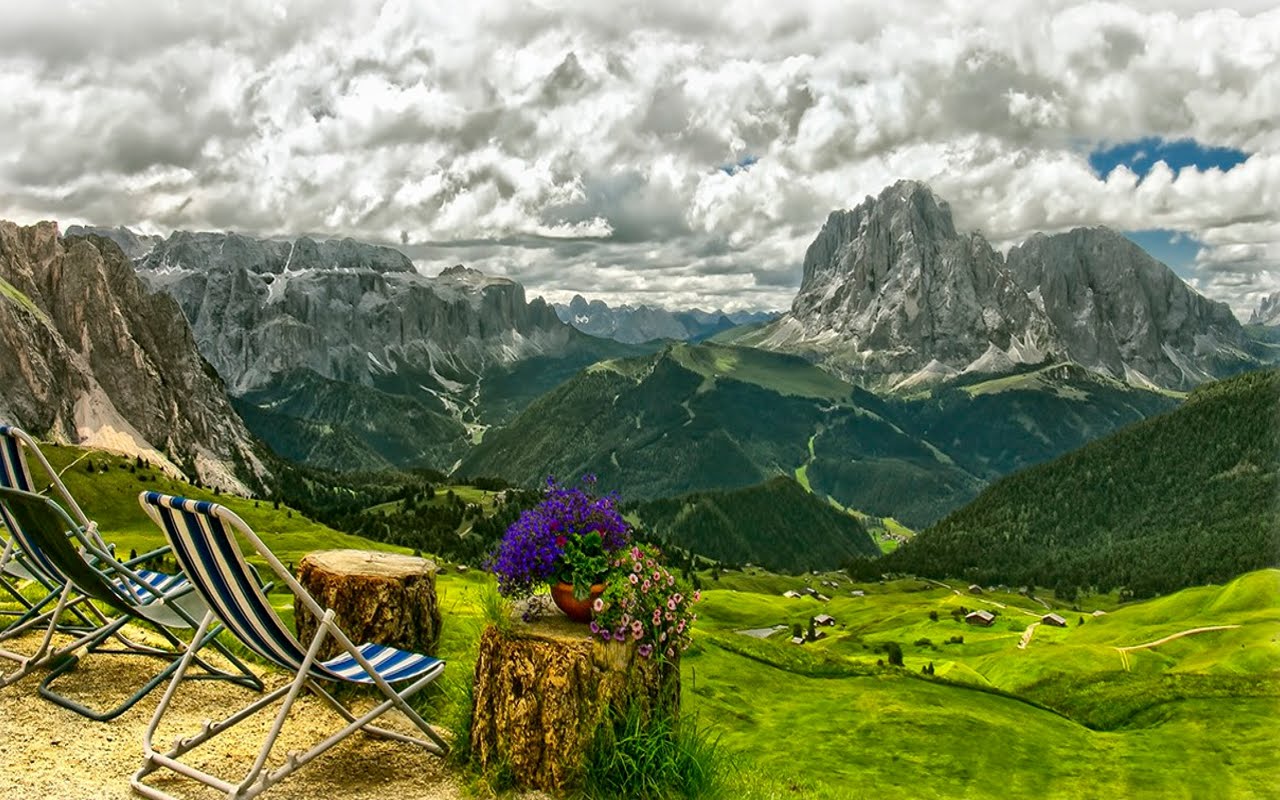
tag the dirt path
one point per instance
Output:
(1027, 634)
(48, 751)
(1124, 651)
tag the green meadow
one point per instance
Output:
(1070, 715)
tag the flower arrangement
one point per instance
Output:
(643, 602)
(570, 536)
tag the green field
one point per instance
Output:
(1069, 716)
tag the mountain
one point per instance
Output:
(343, 338)
(88, 356)
(893, 296)
(1121, 313)
(703, 417)
(637, 324)
(1184, 498)
(778, 525)
(133, 245)
(1267, 312)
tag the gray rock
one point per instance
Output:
(893, 296)
(348, 311)
(645, 323)
(1267, 312)
(134, 245)
(89, 356)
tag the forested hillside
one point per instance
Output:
(777, 525)
(1185, 498)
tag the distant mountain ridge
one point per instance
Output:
(1267, 312)
(644, 323)
(894, 297)
(319, 335)
(88, 356)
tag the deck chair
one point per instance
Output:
(87, 573)
(203, 538)
(14, 566)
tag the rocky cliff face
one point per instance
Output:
(1267, 312)
(88, 356)
(892, 296)
(134, 245)
(348, 311)
(1119, 311)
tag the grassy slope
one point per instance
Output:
(777, 524)
(110, 499)
(837, 726)
(1183, 498)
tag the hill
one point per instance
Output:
(777, 524)
(709, 416)
(1184, 498)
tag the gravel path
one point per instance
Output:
(48, 751)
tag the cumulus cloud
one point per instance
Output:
(577, 146)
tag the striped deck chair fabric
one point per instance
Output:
(60, 549)
(203, 537)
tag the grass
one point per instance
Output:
(487, 500)
(8, 290)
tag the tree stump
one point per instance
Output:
(382, 598)
(542, 690)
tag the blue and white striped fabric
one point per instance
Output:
(13, 462)
(208, 553)
(153, 585)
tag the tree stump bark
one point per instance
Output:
(382, 598)
(542, 691)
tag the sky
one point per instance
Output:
(666, 152)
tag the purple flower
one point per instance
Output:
(594, 627)
(645, 650)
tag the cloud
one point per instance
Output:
(582, 147)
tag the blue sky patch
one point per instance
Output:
(1174, 248)
(1140, 155)
(741, 164)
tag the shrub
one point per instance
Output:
(924, 642)
(956, 640)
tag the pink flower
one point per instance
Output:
(671, 604)
(697, 595)
(626, 619)
(680, 627)
(671, 580)
(644, 587)
(657, 576)
(634, 580)
(657, 617)
(597, 606)
(670, 653)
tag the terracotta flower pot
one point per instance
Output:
(573, 608)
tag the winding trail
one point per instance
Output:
(1124, 651)
(1027, 634)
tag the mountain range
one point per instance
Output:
(894, 297)
(644, 323)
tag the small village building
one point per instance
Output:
(824, 619)
(983, 618)
(791, 593)
(858, 593)
(1054, 619)
(1099, 613)
(797, 640)
(822, 598)
(975, 589)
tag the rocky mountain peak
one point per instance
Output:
(134, 245)
(88, 356)
(1267, 312)
(893, 296)
(890, 287)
